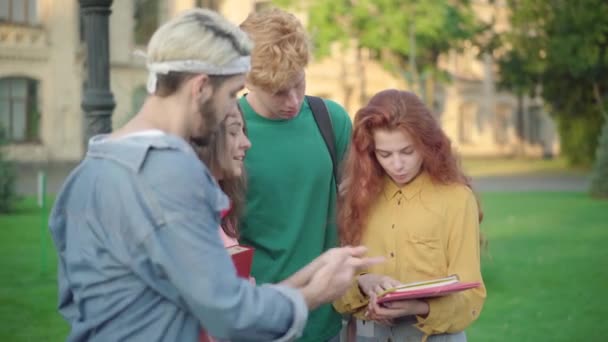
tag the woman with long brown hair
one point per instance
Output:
(224, 156)
(405, 197)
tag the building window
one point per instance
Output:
(146, 16)
(535, 131)
(467, 120)
(19, 11)
(213, 5)
(137, 100)
(81, 34)
(262, 5)
(502, 121)
(19, 114)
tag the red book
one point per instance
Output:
(242, 257)
(426, 289)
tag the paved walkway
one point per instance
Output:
(57, 172)
(535, 182)
(27, 176)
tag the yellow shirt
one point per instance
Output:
(425, 231)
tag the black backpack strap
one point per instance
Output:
(323, 120)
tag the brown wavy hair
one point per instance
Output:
(363, 176)
(215, 156)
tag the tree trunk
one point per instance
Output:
(416, 81)
(362, 78)
(346, 88)
(430, 95)
(597, 94)
(520, 125)
(599, 177)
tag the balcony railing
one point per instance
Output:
(23, 41)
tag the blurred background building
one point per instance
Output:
(43, 60)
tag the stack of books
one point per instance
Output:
(426, 289)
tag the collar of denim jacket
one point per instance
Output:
(131, 151)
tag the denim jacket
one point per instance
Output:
(140, 257)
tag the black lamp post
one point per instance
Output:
(98, 101)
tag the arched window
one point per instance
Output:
(19, 113)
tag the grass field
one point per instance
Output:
(28, 295)
(546, 270)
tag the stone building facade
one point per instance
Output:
(43, 60)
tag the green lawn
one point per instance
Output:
(28, 296)
(546, 270)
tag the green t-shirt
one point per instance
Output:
(291, 199)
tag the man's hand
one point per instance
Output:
(303, 276)
(333, 274)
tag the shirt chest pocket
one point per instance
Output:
(425, 253)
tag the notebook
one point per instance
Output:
(426, 289)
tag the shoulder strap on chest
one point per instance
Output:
(323, 120)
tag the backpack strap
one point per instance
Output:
(323, 120)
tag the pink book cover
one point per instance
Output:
(426, 289)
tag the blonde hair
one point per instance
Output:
(197, 34)
(281, 48)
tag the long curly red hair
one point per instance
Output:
(362, 177)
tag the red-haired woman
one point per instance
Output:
(405, 197)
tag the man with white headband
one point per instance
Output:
(135, 224)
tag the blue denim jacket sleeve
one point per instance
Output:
(185, 248)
